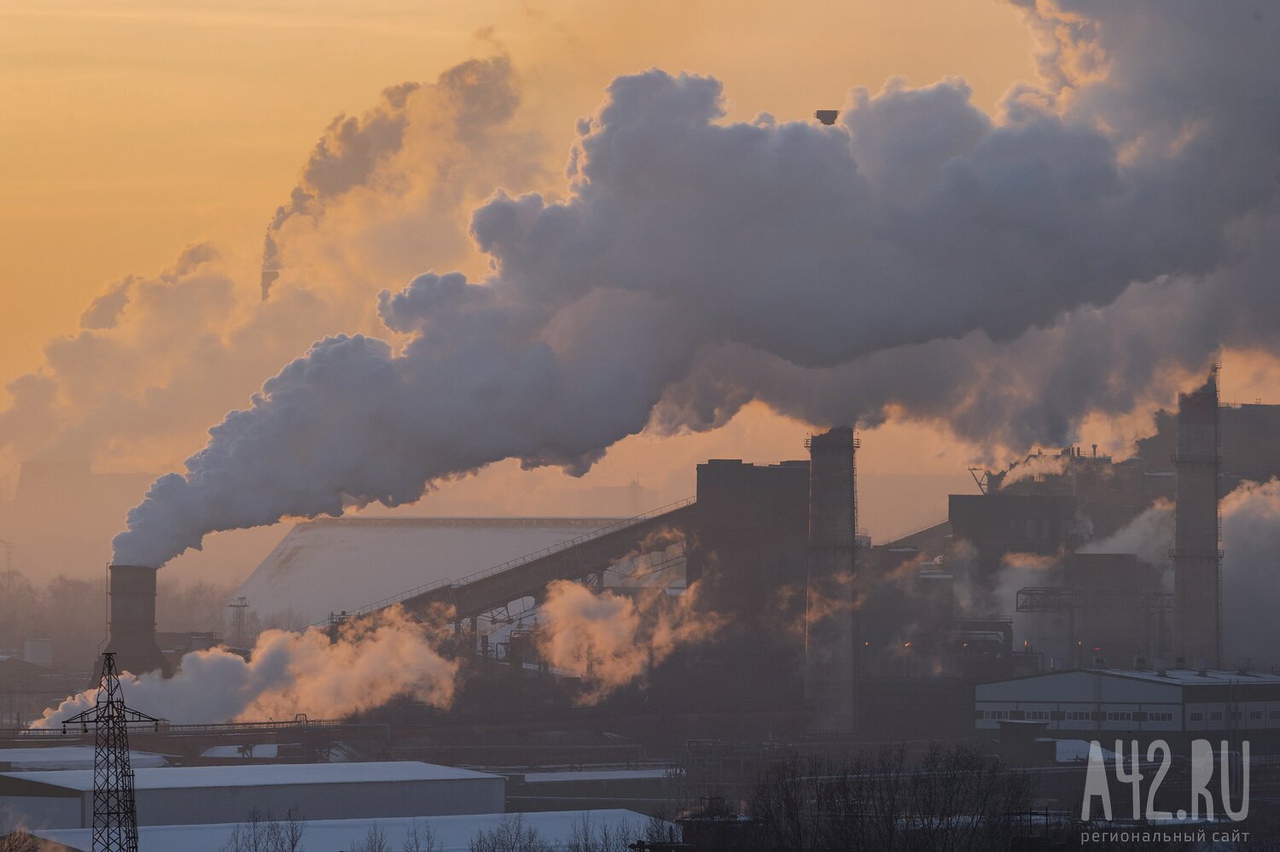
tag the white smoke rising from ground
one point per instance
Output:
(612, 640)
(696, 266)
(373, 661)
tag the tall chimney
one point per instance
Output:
(1196, 557)
(830, 678)
(133, 619)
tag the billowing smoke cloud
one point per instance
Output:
(374, 660)
(919, 260)
(157, 358)
(612, 640)
(390, 190)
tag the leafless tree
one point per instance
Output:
(661, 828)
(260, 832)
(18, 841)
(420, 838)
(603, 838)
(955, 799)
(511, 835)
(375, 840)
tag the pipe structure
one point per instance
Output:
(830, 682)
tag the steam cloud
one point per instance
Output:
(611, 640)
(919, 260)
(1250, 538)
(1149, 535)
(159, 357)
(374, 660)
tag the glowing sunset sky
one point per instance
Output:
(136, 130)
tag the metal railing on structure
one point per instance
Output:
(164, 726)
(518, 561)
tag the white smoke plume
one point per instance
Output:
(157, 358)
(839, 274)
(1034, 466)
(373, 660)
(1149, 535)
(612, 640)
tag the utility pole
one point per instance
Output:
(115, 817)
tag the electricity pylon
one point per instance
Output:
(115, 817)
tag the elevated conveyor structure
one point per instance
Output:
(581, 558)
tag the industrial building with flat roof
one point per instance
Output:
(225, 794)
(1174, 704)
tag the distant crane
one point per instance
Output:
(115, 817)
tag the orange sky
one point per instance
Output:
(133, 129)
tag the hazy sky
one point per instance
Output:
(136, 130)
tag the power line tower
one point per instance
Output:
(115, 819)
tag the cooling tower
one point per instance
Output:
(133, 619)
(830, 679)
(1196, 557)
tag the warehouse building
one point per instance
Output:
(225, 794)
(1175, 705)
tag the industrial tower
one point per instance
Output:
(830, 675)
(1197, 558)
(115, 819)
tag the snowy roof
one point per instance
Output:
(65, 758)
(335, 564)
(1164, 677)
(597, 775)
(245, 750)
(268, 775)
(452, 833)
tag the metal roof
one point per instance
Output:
(334, 564)
(261, 775)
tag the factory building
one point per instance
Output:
(226, 794)
(1174, 704)
(822, 635)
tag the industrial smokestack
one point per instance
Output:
(1196, 557)
(830, 685)
(133, 619)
